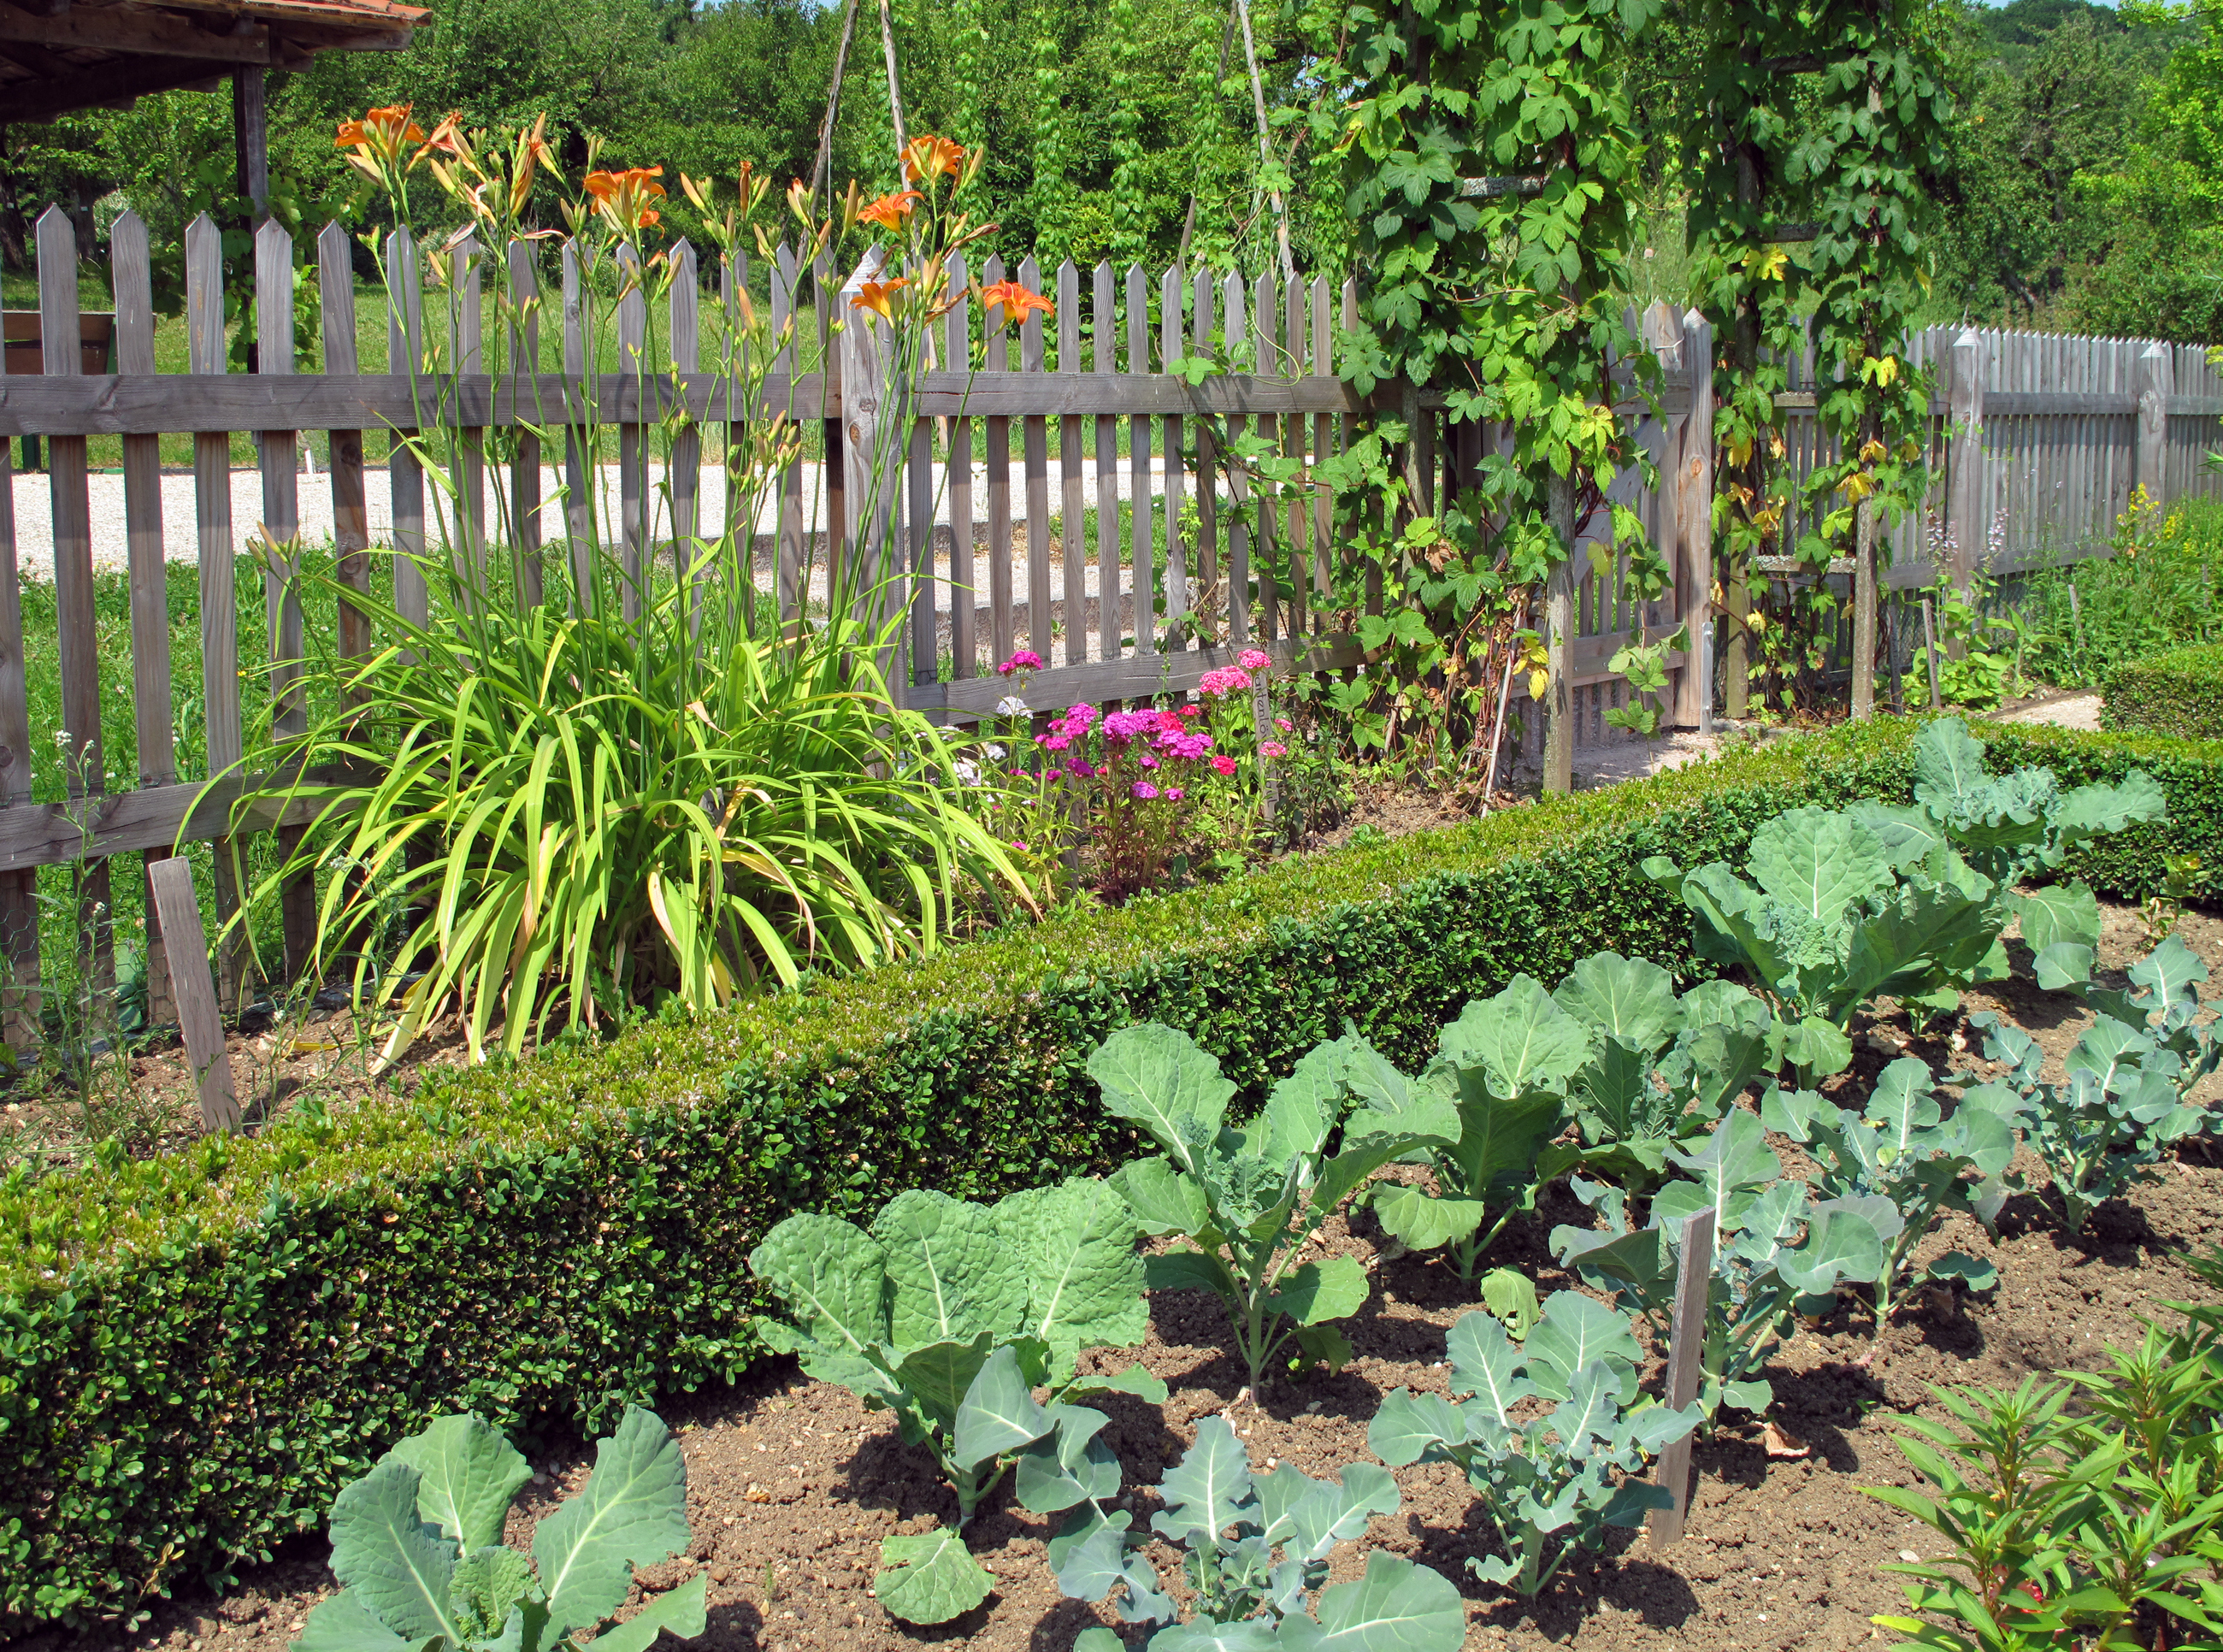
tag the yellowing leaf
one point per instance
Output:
(1857, 486)
(1871, 451)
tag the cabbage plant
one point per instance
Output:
(417, 1544)
(1551, 1482)
(2128, 1096)
(1253, 1548)
(1778, 1252)
(1247, 1200)
(950, 1315)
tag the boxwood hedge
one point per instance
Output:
(2179, 692)
(197, 1350)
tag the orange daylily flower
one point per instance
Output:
(882, 299)
(891, 211)
(930, 157)
(623, 197)
(384, 131)
(1014, 300)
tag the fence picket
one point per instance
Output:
(466, 460)
(1103, 338)
(350, 508)
(1035, 435)
(523, 341)
(683, 478)
(1233, 331)
(964, 563)
(1207, 481)
(19, 905)
(1072, 508)
(281, 550)
(788, 589)
(1266, 317)
(1142, 577)
(1170, 289)
(996, 435)
(405, 469)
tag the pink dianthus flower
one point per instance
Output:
(1254, 659)
(1272, 748)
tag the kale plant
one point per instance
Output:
(1253, 1548)
(950, 1315)
(1778, 1253)
(417, 1544)
(1903, 1149)
(1248, 1200)
(1552, 1483)
(2127, 1100)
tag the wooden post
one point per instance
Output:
(871, 462)
(404, 472)
(1929, 653)
(281, 596)
(171, 882)
(524, 459)
(466, 359)
(1558, 643)
(1864, 609)
(1686, 1346)
(684, 475)
(1694, 528)
(351, 505)
(1968, 516)
(250, 138)
(634, 569)
(19, 906)
(2157, 379)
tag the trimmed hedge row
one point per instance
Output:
(2179, 692)
(197, 1351)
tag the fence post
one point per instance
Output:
(2156, 376)
(1864, 610)
(1694, 528)
(1968, 497)
(171, 884)
(1559, 643)
(872, 470)
(1686, 1344)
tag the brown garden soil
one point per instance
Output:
(792, 1484)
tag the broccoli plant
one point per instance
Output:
(2128, 1097)
(2011, 828)
(950, 1315)
(1253, 1548)
(417, 1544)
(1837, 914)
(1248, 1200)
(1550, 1482)
(1778, 1253)
(1903, 1149)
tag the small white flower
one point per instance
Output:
(1010, 706)
(992, 752)
(968, 771)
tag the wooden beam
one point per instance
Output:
(106, 86)
(141, 33)
(35, 59)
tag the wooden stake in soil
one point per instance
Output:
(193, 987)
(1930, 652)
(1686, 1344)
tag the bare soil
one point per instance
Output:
(792, 1484)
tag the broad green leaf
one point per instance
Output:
(1302, 1108)
(1521, 1039)
(2063, 965)
(2171, 972)
(929, 1578)
(525, 1629)
(1640, 1263)
(1970, 1271)
(1589, 1409)
(1736, 926)
(1164, 1081)
(1324, 1514)
(1164, 1199)
(1250, 1635)
(1486, 1363)
(1332, 1289)
(467, 1474)
(1818, 1049)
(1616, 1098)
(1629, 998)
(1090, 1555)
(346, 1623)
(1817, 863)
(1186, 1271)
(1422, 1221)
(999, 1414)
(832, 1276)
(486, 1583)
(1096, 1638)
(632, 1511)
(1135, 1380)
(1509, 1296)
(1074, 1248)
(1396, 1607)
(953, 1270)
(677, 1612)
(1324, 1345)
(398, 1565)
(937, 1375)
(2059, 912)
(1406, 1424)
(1070, 1464)
(1735, 1162)
(2090, 811)
(1909, 835)
(1842, 1242)
(1948, 764)
(1722, 1003)
(1208, 1489)
(1574, 1332)
(1904, 1102)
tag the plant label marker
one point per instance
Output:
(193, 988)
(1686, 1344)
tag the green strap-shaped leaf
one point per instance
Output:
(468, 1472)
(1208, 1491)
(930, 1579)
(1396, 1607)
(1074, 1246)
(632, 1511)
(832, 1276)
(1164, 1081)
(999, 1413)
(952, 1269)
(398, 1565)
(1629, 998)
(681, 1613)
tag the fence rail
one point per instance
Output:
(987, 535)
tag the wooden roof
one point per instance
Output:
(57, 55)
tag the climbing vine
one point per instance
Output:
(1052, 228)
(1130, 204)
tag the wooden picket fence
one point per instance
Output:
(973, 535)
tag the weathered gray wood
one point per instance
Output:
(170, 882)
(997, 437)
(2156, 383)
(1967, 513)
(84, 759)
(1171, 287)
(206, 355)
(1207, 479)
(404, 469)
(964, 599)
(684, 477)
(1298, 520)
(124, 822)
(1694, 526)
(1036, 437)
(1686, 1348)
(1131, 676)
(1104, 340)
(1265, 317)
(523, 345)
(1072, 504)
(582, 506)
(924, 645)
(1323, 365)
(19, 906)
(281, 566)
(467, 462)
(739, 356)
(872, 445)
(1559, 636)
(634, 568)
(1234, 329)
(1142, 578)
(1864, 610)
(351, 505)
(789, 537)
